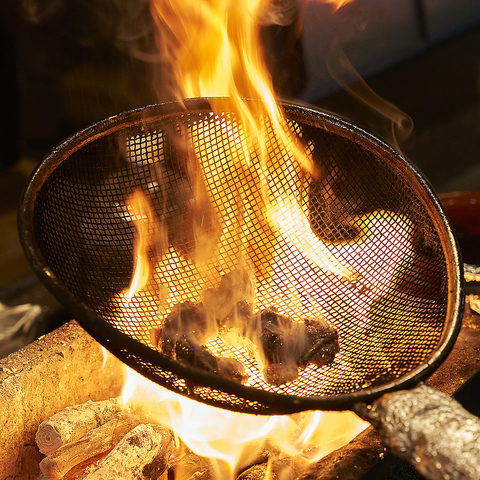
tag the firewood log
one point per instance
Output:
(280, 468)
(72, 423)
(78, 470)
(96, 441)
(143, 453)
(193, 467)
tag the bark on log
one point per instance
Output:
(96, 441)
(142, 454)
(72, 423)
(62, 368)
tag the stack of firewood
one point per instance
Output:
(100, 440)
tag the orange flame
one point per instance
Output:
(142, 216)
(213, 51)
(237, 438)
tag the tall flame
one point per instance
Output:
(213, 51)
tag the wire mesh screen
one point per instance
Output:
(352, 245)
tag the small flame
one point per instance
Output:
(142, 216)
(338, 3)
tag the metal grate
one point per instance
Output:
(368, 207)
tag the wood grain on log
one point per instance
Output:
(73, 422)
(142, 454)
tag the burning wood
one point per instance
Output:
(116, 448)
(289, 346)
(142, 453)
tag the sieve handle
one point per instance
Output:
(430, 430)
(472, 286)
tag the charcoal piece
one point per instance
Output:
(321, 344)
(278, 339)
(186, 320)
(278, 373)
(198, 356)
(288, 346)
(231, 369)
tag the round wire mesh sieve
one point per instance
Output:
(368, 208)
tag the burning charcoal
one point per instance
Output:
(278, 373)
(288, 345)
(186, 320)
(278, 345)
(321, 343)
(189, 353)
(231, 369)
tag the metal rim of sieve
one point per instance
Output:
(221, 392)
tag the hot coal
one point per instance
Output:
(289, 346)
(181, 338)
(286, 346)
(187, 321)
(321, 343)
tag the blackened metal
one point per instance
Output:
(78, 238)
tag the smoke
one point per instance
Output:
(398, 126)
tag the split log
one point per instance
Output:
(95, 442)
(143, 453)
(78, 470)
(72, 423)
